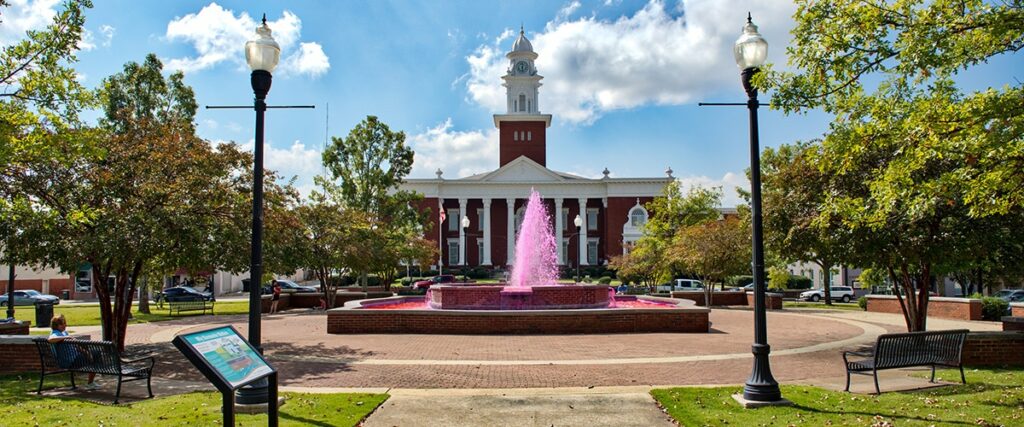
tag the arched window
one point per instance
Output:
(637, 217)
(522, 102)
(529, 135)
(515, 135)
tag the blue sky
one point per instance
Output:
(622, 78)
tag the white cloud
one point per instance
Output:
(728, 183)
(218, 35)
(25, 15)
(567, 11)
(456, 153)
(309, 59)
(658, 55)
(108, 34)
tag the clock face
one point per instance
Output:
(521, 67)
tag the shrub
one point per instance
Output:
(587, 279)
(739, 281)
(778, 278)
(604, 280)
(993, 308)
(862, 302)
(799, 282)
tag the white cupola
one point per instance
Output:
(522, 83)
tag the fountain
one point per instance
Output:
(531, 302)
(533, 284)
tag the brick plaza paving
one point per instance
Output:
(805, 345)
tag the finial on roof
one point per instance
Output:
(669, 172)
(520, 28)
(605, 172)
(748, 18)
(264, 19)
(439, 173)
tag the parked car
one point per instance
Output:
(682, 285)
(184, 293)
(288, 286)
(28, 297)
(436, 280)
(1010, 295)
(841, 293)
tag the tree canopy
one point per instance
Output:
(915, 163)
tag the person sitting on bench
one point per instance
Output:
(69, 356)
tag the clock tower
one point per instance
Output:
(522, 128)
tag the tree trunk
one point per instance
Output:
(826, 280)
(144, 299)
(99, 285)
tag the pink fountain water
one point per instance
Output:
(536, 254)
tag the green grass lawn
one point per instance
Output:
(88, 315)
(835, 305)
(17, 393)
(990, 398)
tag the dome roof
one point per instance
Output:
(522, 44)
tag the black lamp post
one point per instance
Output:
(751, 51)
(10, 289)
(579, 228)
(262, 55)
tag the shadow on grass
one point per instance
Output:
(894, 417)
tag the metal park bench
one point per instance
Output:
(891, 351)
(100, 357)
(189, 305)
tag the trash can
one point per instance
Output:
(245, 285)
(65, 295)
(44, 312)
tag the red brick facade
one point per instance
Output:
(994, 349)
(531, 141)
(949, 308)
(19, 353)
(54, 286)
(1017, 309)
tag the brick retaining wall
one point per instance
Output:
(949, 308)
(18, 328)
(354, 320)
(1017, 309)
(718, 298)
(1011, 323)
(310, 300)
(19, 353)
(772, 300)
(994, 349)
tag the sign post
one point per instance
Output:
(229, 362)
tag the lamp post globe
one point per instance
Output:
(751, 52)
(262, 55)
(465, 222)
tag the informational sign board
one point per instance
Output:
(229, 355)
(229, 362)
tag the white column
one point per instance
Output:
(440, 235)
(486, 223)
(510, 232)
(462, 231)
(583, 232)
(558, 229)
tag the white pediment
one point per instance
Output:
(522, 169)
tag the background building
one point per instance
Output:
(612, 209)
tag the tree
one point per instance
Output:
(329, 244)
(794, 192)
(914, 162)
(369, 165)
(40, 101)
(641, 264)
(157, 195)
(712, 251)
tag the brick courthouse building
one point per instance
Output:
(611, 209)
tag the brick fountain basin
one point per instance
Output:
(415, 315)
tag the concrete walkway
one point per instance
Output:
(612, 406)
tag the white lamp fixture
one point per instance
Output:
(262, 53)
(751, 50)
(465, 222)
(578, 221)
